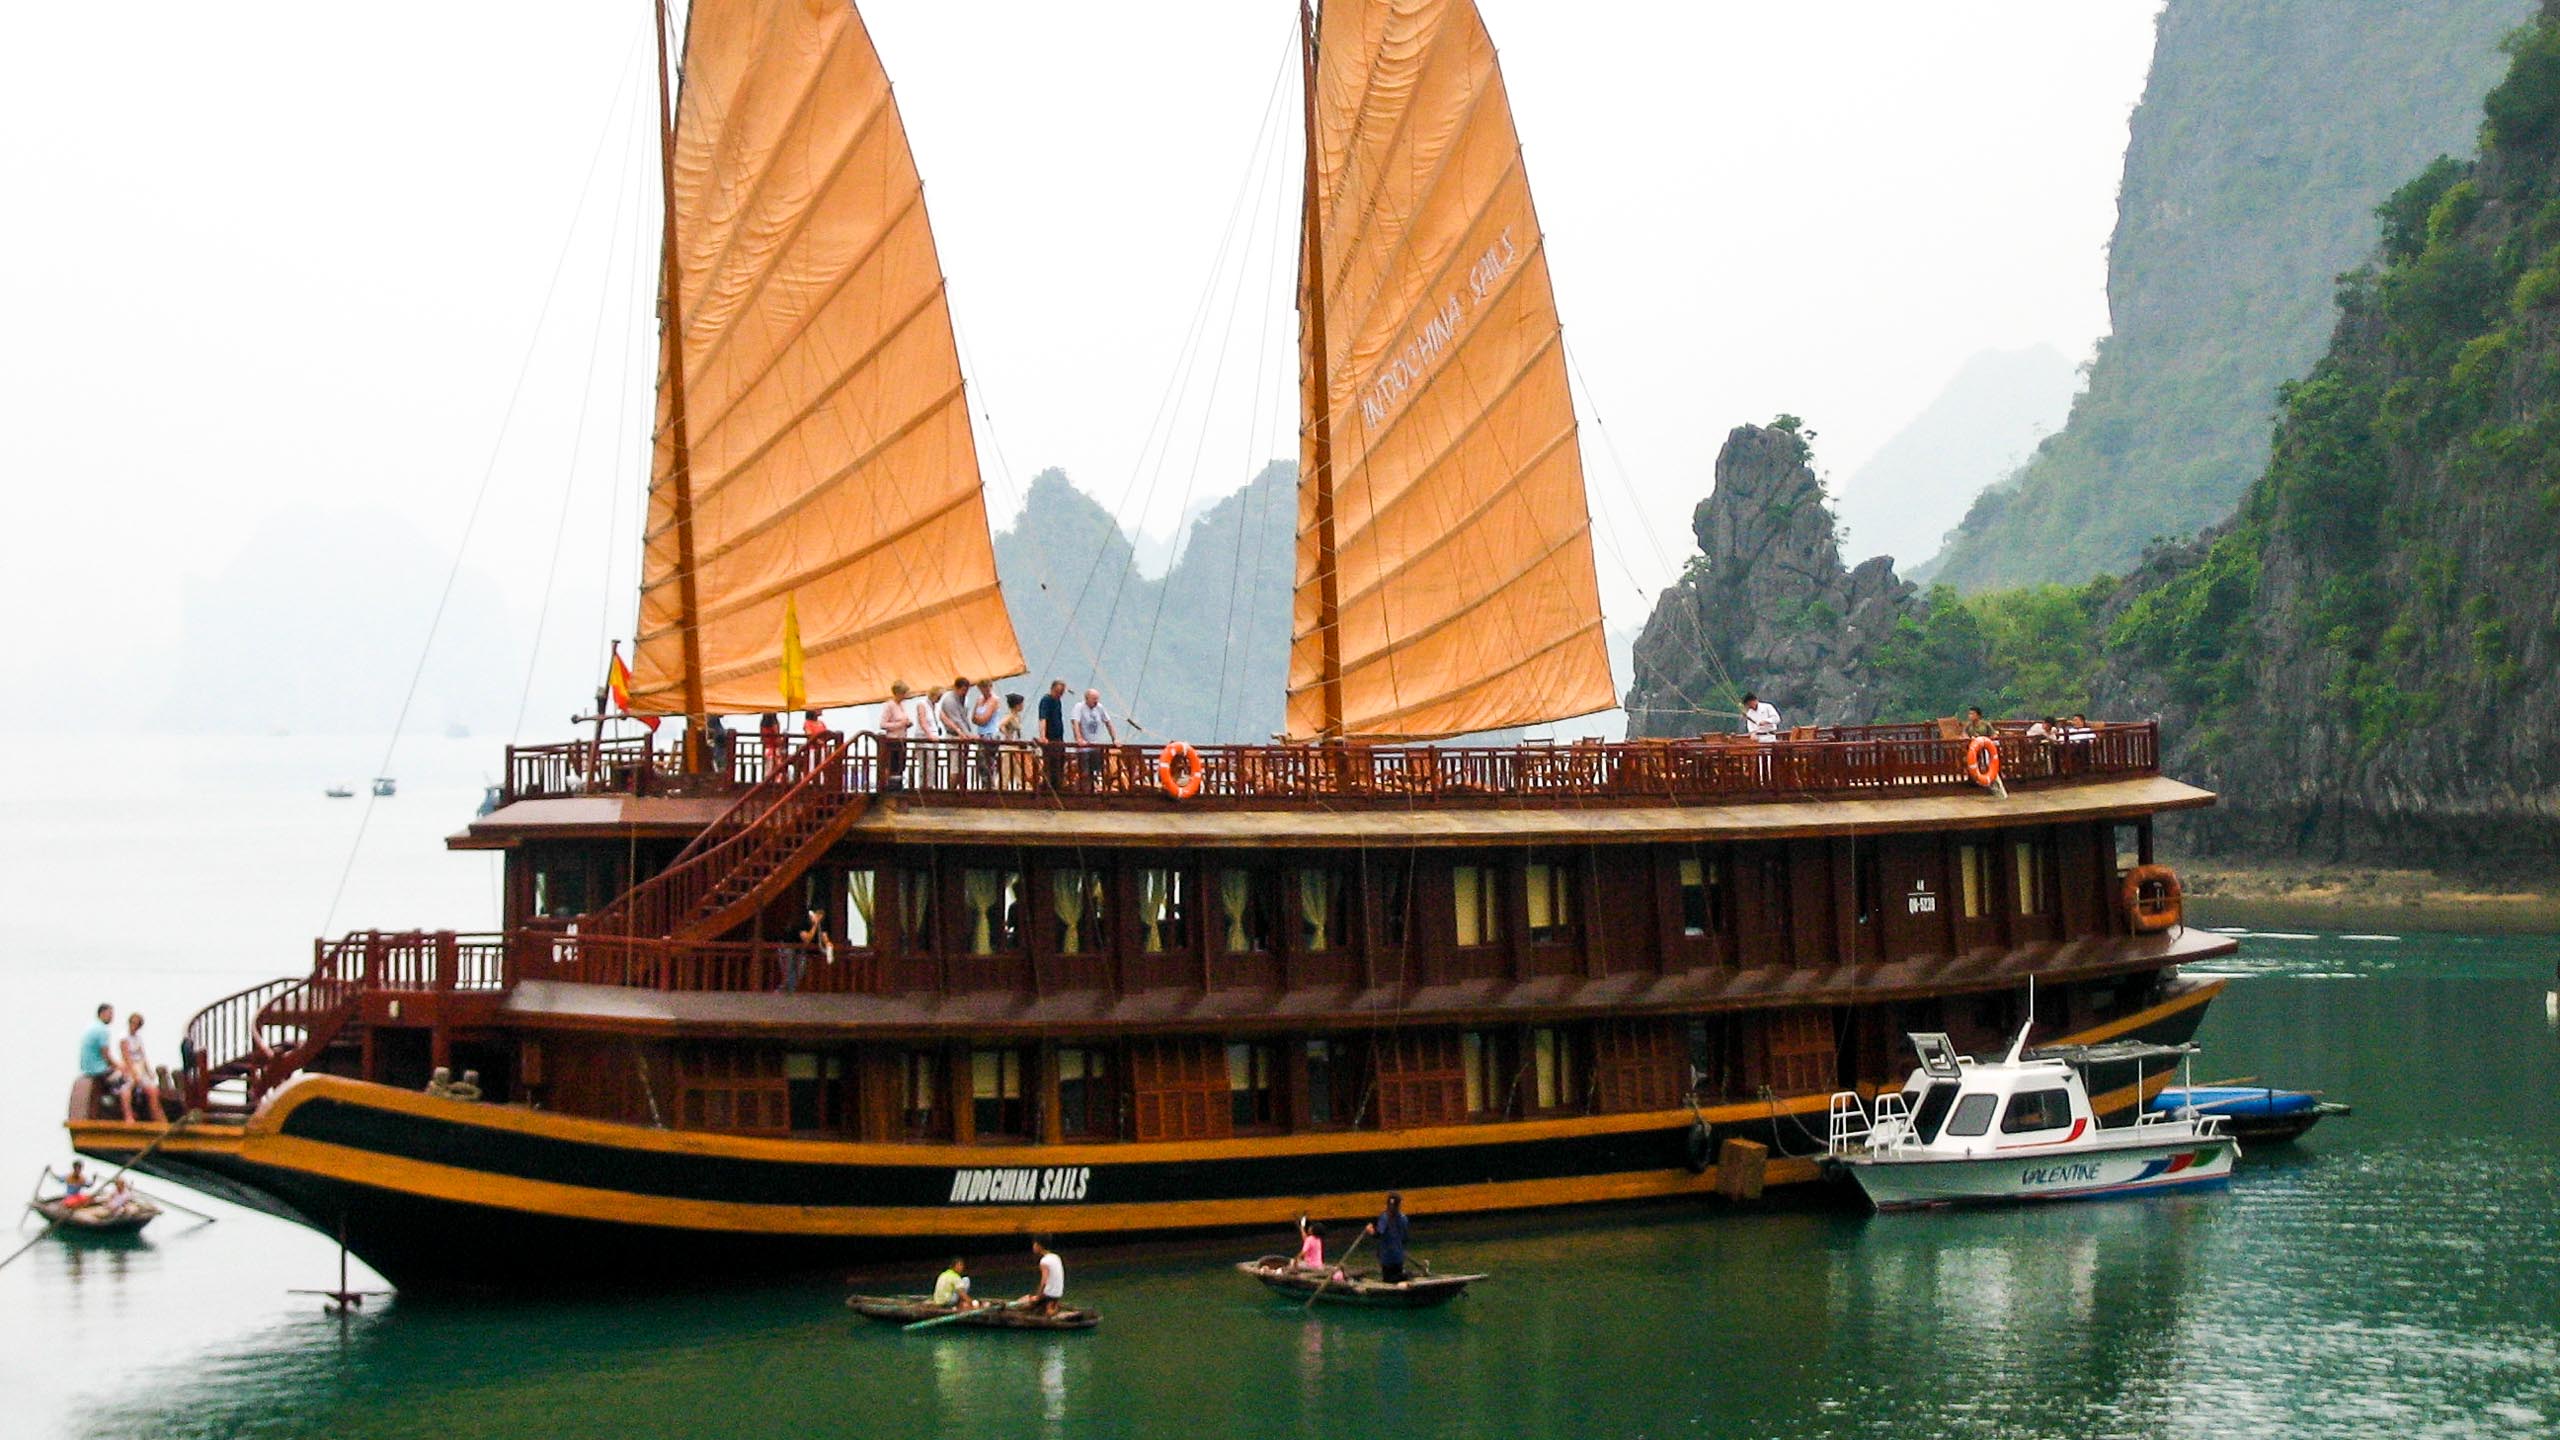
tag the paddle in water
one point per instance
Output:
(958, 1315)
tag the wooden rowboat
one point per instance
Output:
(1356, 1287)
(908, 1309)
(96, 1219)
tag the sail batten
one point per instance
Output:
(830, 493)
(1453, 587)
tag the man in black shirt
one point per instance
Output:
(1053, 732)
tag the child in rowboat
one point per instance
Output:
(1310, 1245)
(951, 1287)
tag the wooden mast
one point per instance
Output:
(671, 320)
(1319, 405)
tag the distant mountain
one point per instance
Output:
(2269, 131)
(1200, 655)
(1982, 426)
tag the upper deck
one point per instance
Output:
(1812, 763)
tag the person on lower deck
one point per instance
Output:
(951, 1287)
(135, 1061)
(1053, 1280)
(97, 1060)
(1393, 1230)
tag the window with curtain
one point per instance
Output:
(1479, 907)
(1481, 1056)
(1088, 1105)
(1559, 1081)
(1550, 903)
(2032, 864)
(1250, 1085)
(1320, 897)
(1325, 1073)
(1164, 911)
(1973, 880)
(1075, 899)
(915, 909)
(861, 890)
(1244, 901)
(994, 898)
(996, 1094)
(920, 1089)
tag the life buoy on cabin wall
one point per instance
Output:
(1982, 761)
(1179, 757)
(2153, 898)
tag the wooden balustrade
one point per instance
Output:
(1722, 769)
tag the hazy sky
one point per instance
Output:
(294, 255)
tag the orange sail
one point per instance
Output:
(816, 454)
(1461, 541)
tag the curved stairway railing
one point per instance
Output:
(256, 1039)
(742, 860)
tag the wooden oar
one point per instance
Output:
(913, 1326)
(1318, 1292)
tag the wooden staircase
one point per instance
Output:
(745, 859)
(256, 1039)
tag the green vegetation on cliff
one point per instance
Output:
(2268, 131)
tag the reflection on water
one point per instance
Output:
(2397, 1273)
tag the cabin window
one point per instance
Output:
(915, 908)
(1481, 1056)
(1324, 1069)
(1395, 894)
(1478, 904)
(995, 1094)
(1931, 1113)
(1164, 911)
(1550, 903)
(1973, 879)
(994, 900)
(728, 1087)
(2037, 1110)
(1079, 924)
(1244, 900)
(560, 890)
(2035, 879)
(1973, 1115)
(861, 892)
(1702, 896)
(1320, 918)
(2128, 848)
(920, 1092)
(816, 1084)
(1249, 1085)
(1086, 1099)
(1551, 1052)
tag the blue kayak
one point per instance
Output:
(2252, 1112)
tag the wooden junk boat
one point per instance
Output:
(1355, 1287)
(910, 1309)
(1121, 992)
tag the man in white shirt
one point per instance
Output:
(1760, 719)
(1053, 1280)
(1089, 728)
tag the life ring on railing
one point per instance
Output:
(1982, 761)
(2153, 899)
(1186, 784)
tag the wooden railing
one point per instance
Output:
(764, 826)
(265, 1033)
(1718, 769)
(650, 963)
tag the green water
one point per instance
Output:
(2397, 1273)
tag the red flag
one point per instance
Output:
(617, 679)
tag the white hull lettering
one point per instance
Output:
(1025, 1185)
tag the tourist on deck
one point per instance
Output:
(1053, 733)
(769, 730)
(951, 710)
(97, 1061)
(2044, 729)
(986, 717)
(1393, 1230)
(951, 1287)
(1016, 765)
(814, 940)
(1976, 727)
(1760, 719)
(897, 721)
(1053, 1280)
(1092, 729)
(135, 1064)
(720, 744)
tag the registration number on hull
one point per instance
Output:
(1020, 1185)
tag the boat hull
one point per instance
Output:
(1360, 1289)
(2188, 1162)
(911, 1309)
(444, 1195)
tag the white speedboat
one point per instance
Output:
(1963, 1132)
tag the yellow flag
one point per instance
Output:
(795, 666)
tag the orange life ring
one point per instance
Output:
(1982, 761)
(2153, 898)
(1186, 784)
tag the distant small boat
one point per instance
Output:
(908, 1309)
(1356, 1287)
(2251, 1112)
(95, 1219)
(340, 792)
(384, 785)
